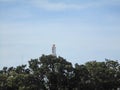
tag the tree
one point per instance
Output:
(98, 74)
(57, 68)
(81, 78)
(113, 74)
(56, 73)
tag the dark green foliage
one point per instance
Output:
(55, 73)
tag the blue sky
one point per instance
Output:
(82, 30)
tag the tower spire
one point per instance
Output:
(53, 50)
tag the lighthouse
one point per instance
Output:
(53, 50)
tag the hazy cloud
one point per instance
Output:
(61, 5)
(27, 30)
(7, 0)
(54, 6)
(45, 4)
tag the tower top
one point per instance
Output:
(53, 50)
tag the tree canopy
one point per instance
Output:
(56, 73)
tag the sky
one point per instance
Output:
(82, 30)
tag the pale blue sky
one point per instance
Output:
(82, 30)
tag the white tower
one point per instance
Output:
(53, 50)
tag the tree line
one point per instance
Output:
(56, 73)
